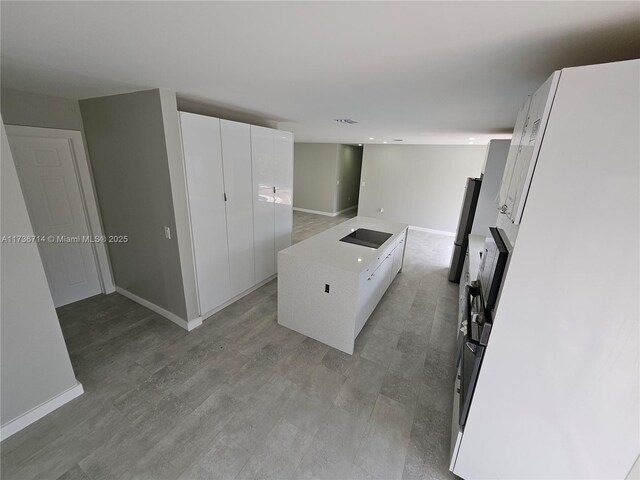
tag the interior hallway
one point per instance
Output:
(242, 397)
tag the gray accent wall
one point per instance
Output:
(128, 148)
(326, 176)
(421, 185)
(315, 176)
(34, 110)
(349, 169)
(45, 111)
(34, 362)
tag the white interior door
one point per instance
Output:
(263, 198)
(283, 181)
(205, 183)
(51, 188)
(236, 163)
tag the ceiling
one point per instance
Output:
(423, 72)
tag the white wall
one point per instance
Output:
(421, 185)
(558, 393)
(35, 365)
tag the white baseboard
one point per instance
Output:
(326, 214)
(187, 325)
(236, 298)
(36, 413)
(430, 230)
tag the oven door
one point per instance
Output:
(470, 362)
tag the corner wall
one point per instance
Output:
(421, 185)
(127, 143)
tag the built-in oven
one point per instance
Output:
(482, 295)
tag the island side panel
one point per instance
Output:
(305, 306)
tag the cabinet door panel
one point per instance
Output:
(514, 148)
(203, 166)
(283, 181)
(236, 163)
(537, 117)
(263, 201)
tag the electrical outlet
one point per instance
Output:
(167, 233)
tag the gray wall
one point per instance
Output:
(34, 362)
(487, 208)
(421, 185)
(315, 176)
(126, 141)
(33, 110)
(349, 168)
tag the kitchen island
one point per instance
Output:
(328, 287)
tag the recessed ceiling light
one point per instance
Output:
(384, 142)
(472, 138)
(470, 143)
(346, 120)
(359, 144)
(371, 138)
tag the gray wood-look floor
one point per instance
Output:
(242, 397)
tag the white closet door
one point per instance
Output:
(236, 162)
(283, 181)
(203, 164)
(263, 198)
(52, 192)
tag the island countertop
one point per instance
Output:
(326, 247)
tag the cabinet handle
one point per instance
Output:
(274, 189)
(225, 196)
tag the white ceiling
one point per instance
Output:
(426, 72)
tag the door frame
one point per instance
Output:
(88, 195)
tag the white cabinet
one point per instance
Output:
(239, 183)
(272, 157)
(522, 158)
(327, 289)
(205, 186)
(398, 256)
(283, 182)
(263, 198)
(236, 163)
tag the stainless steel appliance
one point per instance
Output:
(461, 242)
(476, 328)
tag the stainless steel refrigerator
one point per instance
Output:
(468, 211)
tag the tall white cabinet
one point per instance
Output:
(525, 146)
(557, 394)
(202, 149)
(236, 174)
(272, 157)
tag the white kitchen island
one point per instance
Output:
(327, 289)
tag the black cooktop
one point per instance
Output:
(366, 238)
